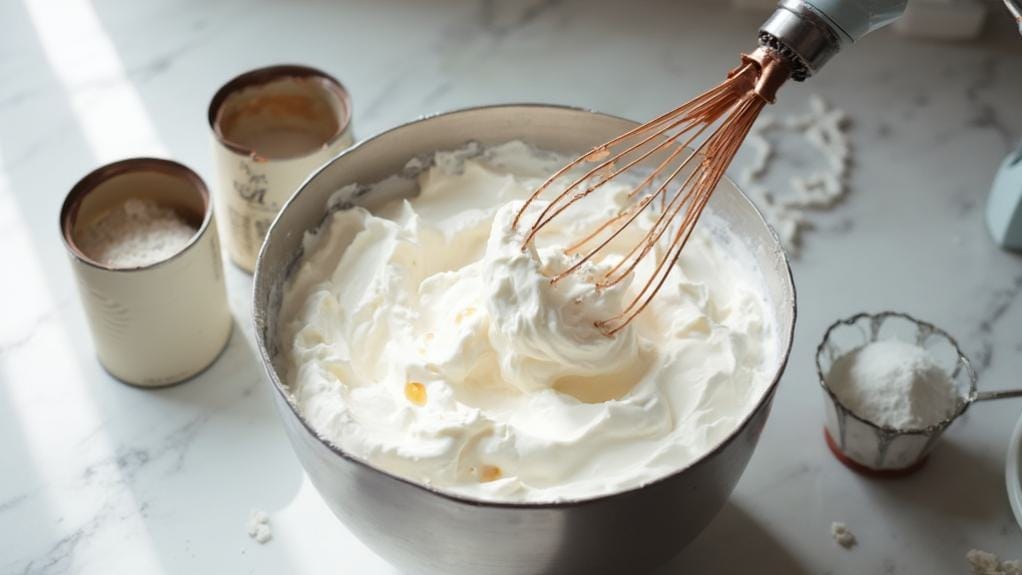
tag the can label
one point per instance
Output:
(252, 191)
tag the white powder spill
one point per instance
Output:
(823, 128)
(842, 536)
(258, 526)
(985, 563)
(134, 234)
(893, 384)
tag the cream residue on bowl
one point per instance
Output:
(422, 339)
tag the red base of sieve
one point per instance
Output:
(869, 471)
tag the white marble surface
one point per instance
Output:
(98, 477)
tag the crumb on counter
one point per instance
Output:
(986, 563)
(258, 526)
(842, 536)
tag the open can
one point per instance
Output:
(165, 321)
(272, 127)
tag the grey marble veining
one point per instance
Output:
(98, 477)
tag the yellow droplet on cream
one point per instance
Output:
(463, 314)
(415, 392)
(489, 473)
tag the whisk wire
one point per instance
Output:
(632, 212)
(545, 216)
(701, 106)
(727, 112)
(700, 194)
(712, 114)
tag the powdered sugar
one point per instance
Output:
(893, 384)
(134, 234)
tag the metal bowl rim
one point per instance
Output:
(259, 320)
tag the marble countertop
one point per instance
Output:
(99, 477)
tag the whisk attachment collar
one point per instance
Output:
(774, 71)
(803, 36)
(799, 69)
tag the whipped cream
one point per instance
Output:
(424, 340)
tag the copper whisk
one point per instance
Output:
(709, 129)
(795, 42)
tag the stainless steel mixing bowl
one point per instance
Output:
(423, 530)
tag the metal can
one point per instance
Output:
(166, 321)
(272, 127)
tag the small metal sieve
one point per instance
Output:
(878, 450)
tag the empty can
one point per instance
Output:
(272, 127)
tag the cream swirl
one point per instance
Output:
(426, 341)
(541, 331)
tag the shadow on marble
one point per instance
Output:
(735, 542)
(211, 452)
(955, 484)
(229, 406)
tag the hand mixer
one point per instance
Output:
(795, 42)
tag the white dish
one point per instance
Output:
(1013, 472)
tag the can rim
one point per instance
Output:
(262, 76)
(92, 180)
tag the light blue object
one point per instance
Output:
(856, 18)
(1004, 208)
